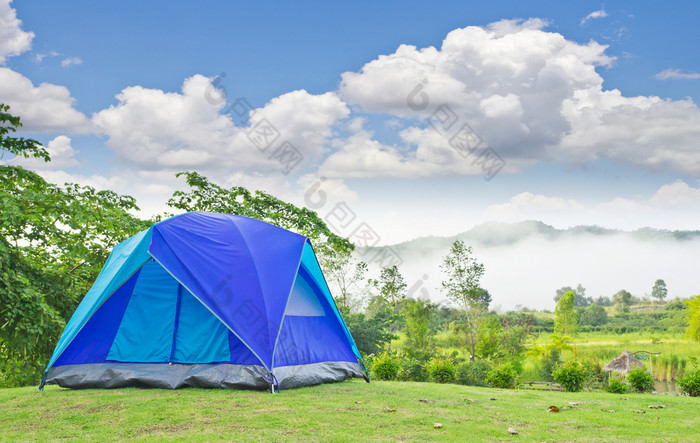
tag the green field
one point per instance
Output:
(349, 411)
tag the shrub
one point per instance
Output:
(549, 363)
(473, 373)
(598, 377)
(385, 366)
(617, 386)
(690, 381)
(442, 369)
(572, 375)
(640, 380)
(504, 376)
(411, 369)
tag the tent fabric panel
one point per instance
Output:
(200, 337)
(92, 343)
(310, 264)
(240, 353)
(277, 256)
(146, 331)
(312, 339)
(306, 340)
(304, 301)
(241, 269)
(125, 259)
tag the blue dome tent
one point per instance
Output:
(207, 300)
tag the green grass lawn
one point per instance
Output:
(349, 411)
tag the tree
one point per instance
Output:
(659, 291)
(463, 275)
(550, 355)
(594, 315)
(603, 301)
(391, 288)
(19, 146)
(371, 334)
(580, 300)
(503, 340)
(692, 331)
(623, 299)
(345, 272)
(418, 332)
(566, 317)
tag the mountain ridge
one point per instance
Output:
(494, 233)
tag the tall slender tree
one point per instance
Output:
(659, 291)
(462, 285)
(566, 317)
(391, 292)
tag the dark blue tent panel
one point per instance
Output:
(211, 300)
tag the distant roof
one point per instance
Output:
(623, 363)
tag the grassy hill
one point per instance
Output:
(349, 411)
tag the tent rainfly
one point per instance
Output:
(207, 300)
(623, 363)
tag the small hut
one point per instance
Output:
(623, 363)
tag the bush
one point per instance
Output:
(572, 375)
(640, 380)
(385, 367)
(442, 369)
(504, 376)
(16, 372)
(411, 369)
(690, 382)
(617, 386)
(549, 362)
(473, 373)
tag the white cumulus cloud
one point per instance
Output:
(43, 108)
(13, 40)
(153, 129)
(530, 94)
(61, 152)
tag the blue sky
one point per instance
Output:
(591, 107)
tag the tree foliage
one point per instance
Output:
(418, 332)
(345, 273)
(623, 299)
(23, 147)
(503, 340)
(580, 299)
(390, 287)
(659, 291)
(462, 285)
(370, 333)
(692, 331)
(566, 317)
(593, 315)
